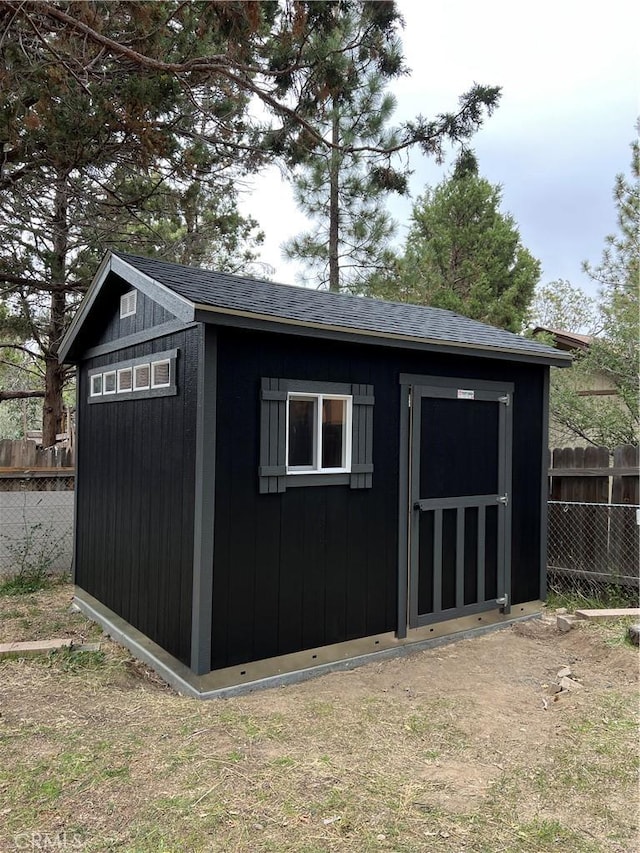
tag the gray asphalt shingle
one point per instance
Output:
(268, 299)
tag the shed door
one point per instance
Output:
(460, 531)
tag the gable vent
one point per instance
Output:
(125, 379)
(128, 302)
(160, 374)
(141, 377)
(109, 382)
(96, 385)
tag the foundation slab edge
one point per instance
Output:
(180, 678)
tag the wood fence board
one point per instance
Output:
(625, 546)
(594, 538)
(625, 490)
(24, 453)
(614, 471)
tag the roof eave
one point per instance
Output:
(552, 358)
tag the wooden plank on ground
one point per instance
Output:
(33, 647)
(611, 613)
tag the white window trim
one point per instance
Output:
(113, 373)
(92, 392)
(154, 366)
(137, 387)
(317, 434)
(136, 392)
(128, 303)
(122, 390)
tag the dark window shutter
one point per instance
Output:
(273, 436)
(362, 443)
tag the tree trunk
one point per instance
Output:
(53, 406)
(334, 202)
(54, 373)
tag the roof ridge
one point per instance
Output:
(301, 288)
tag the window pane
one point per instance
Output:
(332, 433)
(109, 382)
(301, 429)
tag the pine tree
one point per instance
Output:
(345, 193)
(342, 187)
(113, 160)
(462, 253)
(107, 108)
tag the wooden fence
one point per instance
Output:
(586, 474)
(593, 515)
(25, 454)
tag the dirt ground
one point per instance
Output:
(464, 747)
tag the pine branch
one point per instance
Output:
(21, 348)
(19, 395)
(428, 135)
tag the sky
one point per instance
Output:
(570, 78)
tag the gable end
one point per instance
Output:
(157, 308)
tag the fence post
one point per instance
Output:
(624, 547)
(595, 490)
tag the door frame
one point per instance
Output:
(442, 386)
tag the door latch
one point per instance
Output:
(503, 499)
(503, 603)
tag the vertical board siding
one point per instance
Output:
(319, 565)
(134, 541)
(148, 314)
(105, 326)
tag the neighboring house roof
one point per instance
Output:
(199, 294)
(563, 340)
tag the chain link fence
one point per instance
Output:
(594, 547)
(36, 523)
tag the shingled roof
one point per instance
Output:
(206, 295)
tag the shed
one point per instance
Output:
(272, 480)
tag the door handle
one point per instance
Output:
(417, 505)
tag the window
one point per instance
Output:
(134, 379)
(160, 373)
(125, 379)
(318, 429)
(96, 385)
(314, 434)
(128, 303)
(141, 377)
(109, 382)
